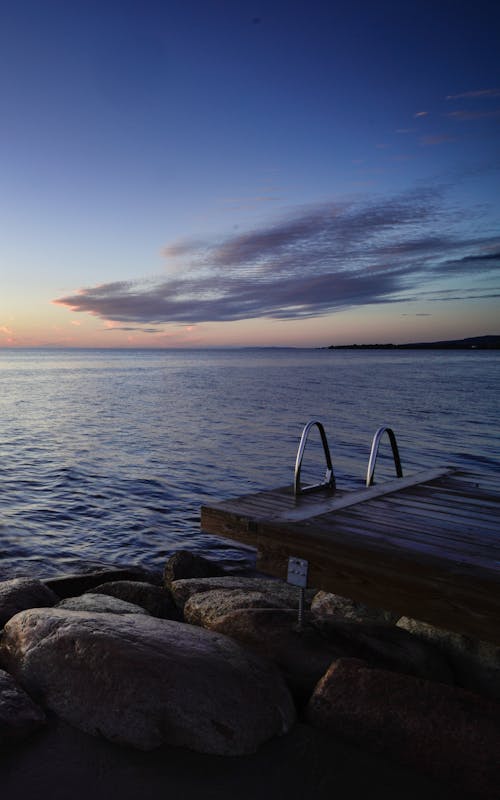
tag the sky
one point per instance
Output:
(221, 173)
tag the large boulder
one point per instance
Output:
(21, 593)
(475, 664)
(156, 600)
(143, 681)
(185, 564)
(327, 607)
(304, 654)
(19, 715)
(449, 733)
(280, 594)
(101, 604)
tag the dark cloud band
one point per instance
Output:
(319, 260)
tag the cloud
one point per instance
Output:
(131, 328)
(437, 139)
(487, 262)
(316, 260)
(182, 247)
(462, 293)
(8, 333)
(467, 115)
(475, 93)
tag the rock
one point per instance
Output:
(279, 593)
(21, 593)
(75, 585)
(204, 608)
(392, 648)
(446, 732)
(184, 564)
(143, 681)
(475, 664)
(101, 604)
(327, 606)
(19, 715)
(156, 600)
(304, 655)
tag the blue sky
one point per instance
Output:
(237, 173)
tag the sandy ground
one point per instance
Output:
(62, 763)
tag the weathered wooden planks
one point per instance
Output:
(427, 546)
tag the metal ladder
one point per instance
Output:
(297, 574)
(370, 472)
(329, 479)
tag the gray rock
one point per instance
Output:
(279, 593)
(19, 715)
(101, 604)
(475, 664)
(204, 608)
(185, 564)
(143, 681)
(156, 600)
(445, 732)
(305, 654)
(327, 606)
(21, 593)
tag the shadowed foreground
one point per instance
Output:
(61, 762)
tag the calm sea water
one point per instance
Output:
(107, 456)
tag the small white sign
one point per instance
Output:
(297, 572)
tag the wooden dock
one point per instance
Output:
(425, 546)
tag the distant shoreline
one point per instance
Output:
(473, 343)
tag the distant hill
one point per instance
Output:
(473, 343)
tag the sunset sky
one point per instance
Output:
(222, 173)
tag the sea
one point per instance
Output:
(106, 456)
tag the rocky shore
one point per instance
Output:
(216, 664)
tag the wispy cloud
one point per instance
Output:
(474, 113)
(317, 260)
(130, 328)
(462, 293)
(481, 93)
(8, 333)
(439, 138)
(466, 115)
(486, 262)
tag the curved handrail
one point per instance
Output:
(374, 452)
(329, 482)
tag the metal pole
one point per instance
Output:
(300, 617)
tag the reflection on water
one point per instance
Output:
(106, 456)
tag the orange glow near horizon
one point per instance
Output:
(56, 327)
